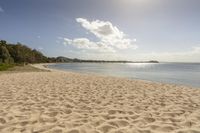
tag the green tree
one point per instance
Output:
(4, 54)
(2, 43)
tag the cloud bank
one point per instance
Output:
(109, 36)
(192, 55)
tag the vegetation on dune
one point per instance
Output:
(18, 53)
(21, 54)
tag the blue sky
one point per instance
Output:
(164, 30)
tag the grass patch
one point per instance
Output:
(25, 68)
(18, 68)
(4, 67)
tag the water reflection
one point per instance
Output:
(140, 65)
(178, 73)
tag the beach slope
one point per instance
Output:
(66, 102)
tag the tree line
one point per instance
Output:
(19, 53)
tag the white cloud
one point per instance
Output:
(107, 33)
(110, 37)
(1, 9)
(40, 48)
(196, 50)
(84, 43)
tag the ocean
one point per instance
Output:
(175, 73)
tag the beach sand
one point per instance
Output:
(66, 102)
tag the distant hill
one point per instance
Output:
(62, 59)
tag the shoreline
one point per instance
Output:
(68, 102)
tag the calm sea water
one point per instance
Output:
(176, 73)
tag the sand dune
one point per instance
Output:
(65, 102)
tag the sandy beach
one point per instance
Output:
(66, 102)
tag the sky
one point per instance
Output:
(136, 30)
